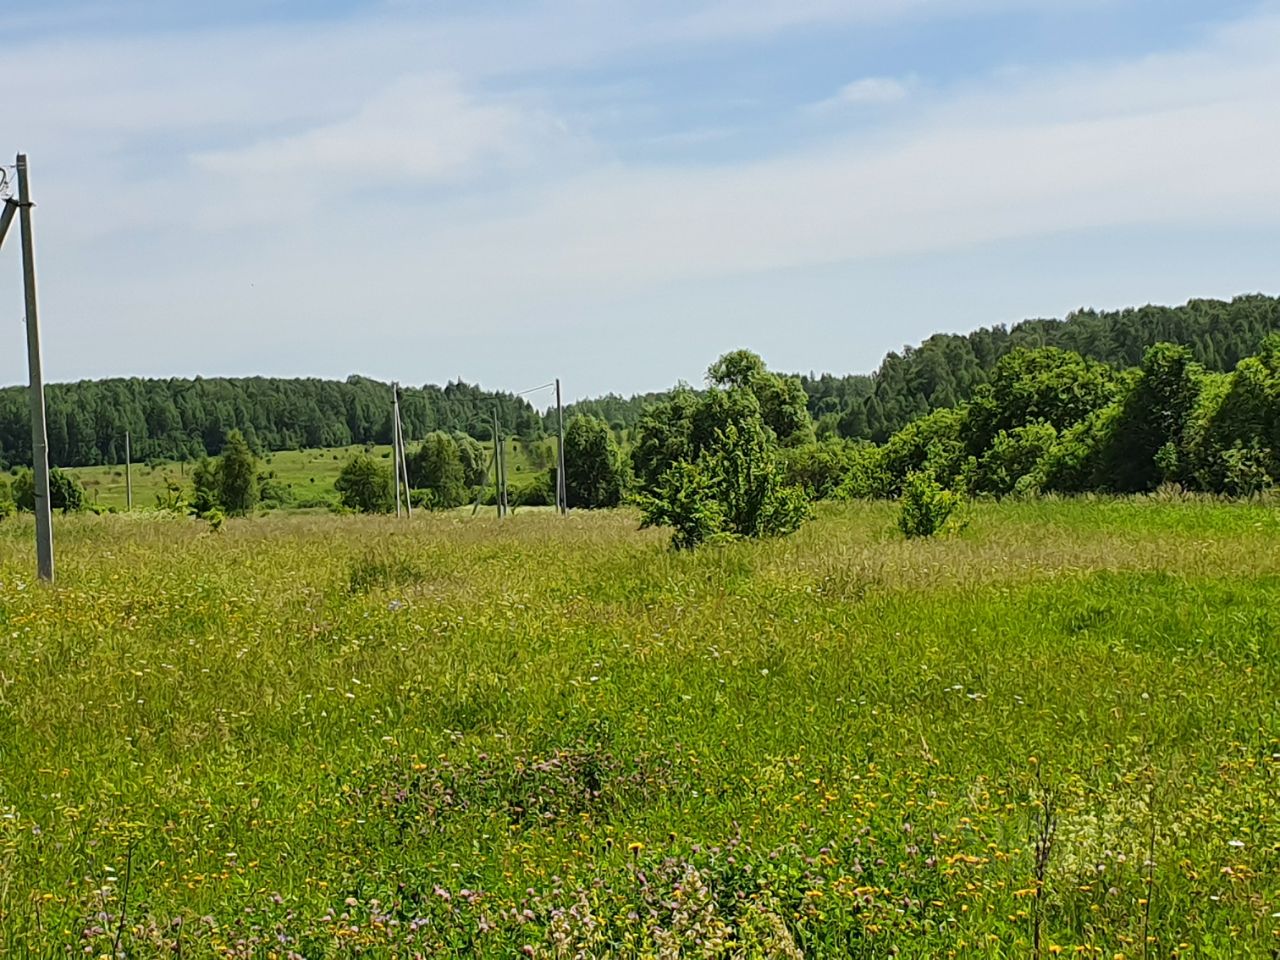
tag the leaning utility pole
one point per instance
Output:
(497, 465)
(402, 457)
(562, 491)
(128, 474)
(39, 432)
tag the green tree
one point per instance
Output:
(475, 460)
(1012, 461)
(733, 489)
(1045, 385)
(593, 469)
(237, 476)
(7, 507)
(65, 492)
(1153, 416)
(206, 491)
(784, 406)
(437, 466)
(365, 484)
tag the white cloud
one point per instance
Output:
(393, 152)
(868, 90)
(417, 130)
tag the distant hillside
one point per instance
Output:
(947, 368)
(182, 419)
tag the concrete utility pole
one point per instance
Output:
(128, 474)
(404, 462)
(562, 491)
(395, 443)
(39, 432)
(497, 465)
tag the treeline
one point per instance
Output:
(946, 369)
(181, 419)
(1053, 421)
(186, 419)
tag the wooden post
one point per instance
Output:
(562, 491)
(39, 430)
(128, 473)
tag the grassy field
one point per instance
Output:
(1055, 733)
(309, 474)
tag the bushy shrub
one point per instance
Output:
(935, 443)
(1012, 462)
(820, 468)
(365, 485)
(733, 490)
(65, 492)
(867, 477)
(926, 505)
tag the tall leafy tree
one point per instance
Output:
(437, 466)
(365, 484)
(237, 476)
(593, 472)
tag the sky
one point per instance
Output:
(616, 192)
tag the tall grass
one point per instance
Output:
(1058, 730)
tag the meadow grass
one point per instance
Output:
(308, 475)
(1056, 732)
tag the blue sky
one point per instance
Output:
(617, 191)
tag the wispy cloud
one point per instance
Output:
(479, 202)
(868, 90)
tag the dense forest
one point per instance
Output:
(184, 419)
(947, 368)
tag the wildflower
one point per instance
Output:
(635, 847)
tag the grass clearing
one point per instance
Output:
(348, 736)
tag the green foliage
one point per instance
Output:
(437, 466)
(273, 492)
(1047, 385)
(206, 492)
(237, 476)
(734, 490)
(1153, 415)
(948, 369)
(926, 505)
(664, 437)
(366, 485)
(65, 491)
(1235, 435)
(1010, 464)
(216, 518)
(7, 507)
(783, 402)
(935, 443)
(474, 459)
(594, 474)
(821, 469)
